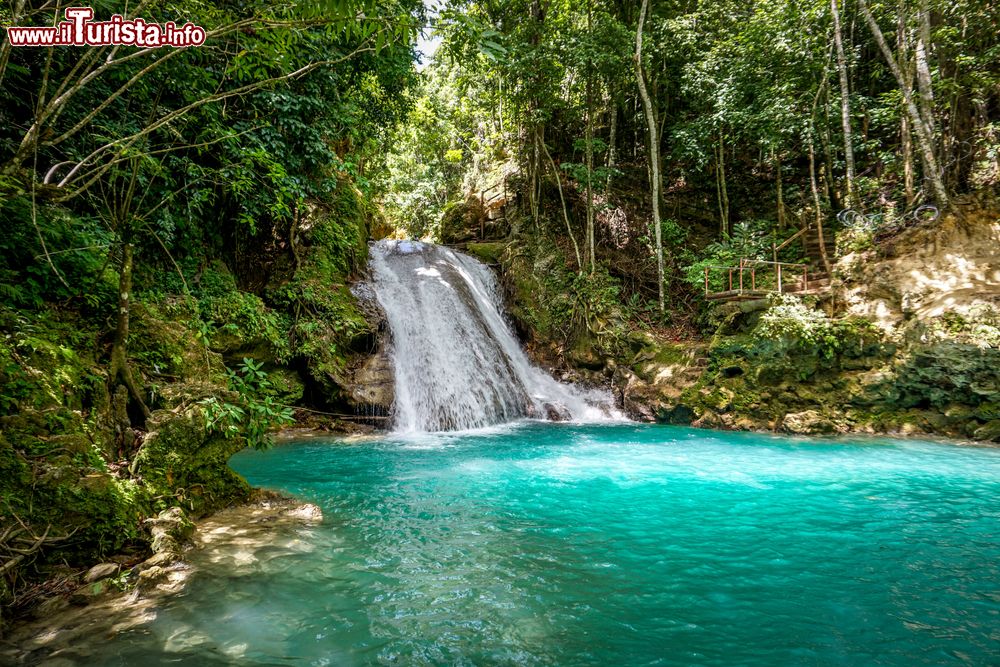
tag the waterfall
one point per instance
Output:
(456, 362)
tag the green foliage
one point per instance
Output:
(791, 321)
(76, 246)
(41, 365)
(242, 319)
(254, 413)
(749, 240)
(788, 318)
(979, 326)
(430, 154)
(559, 304)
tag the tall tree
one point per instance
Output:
(924, 84)
(845, 103)
(589, 138)
(654, 153)
(924, 138)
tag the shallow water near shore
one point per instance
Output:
(601, 544)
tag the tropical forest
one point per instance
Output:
(500, 332)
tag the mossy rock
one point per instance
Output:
(585, 353)
(287, 384)
(163, 342)
(181, 458)
(989, 431)
(462, 221)
(487, 252)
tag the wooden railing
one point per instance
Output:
(486, 201)
(756, 277)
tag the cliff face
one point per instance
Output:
(938, 276)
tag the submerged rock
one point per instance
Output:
(233, 542)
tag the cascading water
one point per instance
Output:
(456, 361)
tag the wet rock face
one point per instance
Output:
(369, 387)
(556, 412)
(656, 386)
(373, 389)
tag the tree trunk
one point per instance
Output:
(815, 195)
(121, 371)
(611, 142)
(812, 179)
(654, 152)
(781, 193)
(718, 191)
(829, 189)
(591, 245)
(565, 210)
(845, 103)
(905, 135)
(924, 140)
(922, 52)
(725, 222)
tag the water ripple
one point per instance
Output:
(609, 544)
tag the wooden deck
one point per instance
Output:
(756, 279)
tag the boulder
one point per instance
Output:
(181, 457)
(462, 221)
(807, 422)
(170, 530)
(100, 571)
(556, 412)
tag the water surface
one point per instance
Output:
(606, 545)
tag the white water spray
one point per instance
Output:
(457, 363)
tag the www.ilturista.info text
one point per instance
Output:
(79, 30)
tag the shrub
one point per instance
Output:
(789, 318)
(254, 413)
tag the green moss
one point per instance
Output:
(336, 236)
(241, 325)
(180, 460)
(461, 221)
(557, 306)
(488, 253)
(167, 344)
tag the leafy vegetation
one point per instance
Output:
(255, 414)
